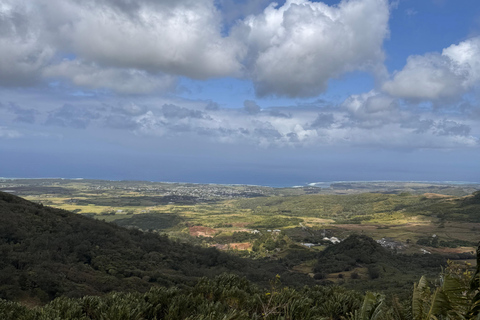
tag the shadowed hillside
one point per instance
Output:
(359, 257)
(48, 252)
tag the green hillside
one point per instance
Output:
(48, 252)
(436, 217)
(89, 269)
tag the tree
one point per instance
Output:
(457, 296)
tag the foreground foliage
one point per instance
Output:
(232, 297)
(94, 270)
(225, 297)
(228, 296)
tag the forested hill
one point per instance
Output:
(47, 252)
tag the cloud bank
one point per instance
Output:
(372, 119)
(139, 47)
(138, 51)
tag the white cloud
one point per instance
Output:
(129, 81)
(373, 110)
(436, 76)
(141, 46)
(368, 120)
(180, 38)
(22, 51)
(376, 119)
(293, 50)
(466, 59)
(108, 39)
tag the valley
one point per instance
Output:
(258, 222)
(72, 240)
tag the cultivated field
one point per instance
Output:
(245, 217)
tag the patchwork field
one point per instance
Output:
(292, 227)
(238, 217)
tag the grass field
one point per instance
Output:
(304, 214)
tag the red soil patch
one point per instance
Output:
(241, 246)
(197, 231)
(243, 230)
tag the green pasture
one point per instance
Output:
(405, 217)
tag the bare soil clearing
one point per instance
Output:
(197, 231)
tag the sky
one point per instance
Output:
(240, 91)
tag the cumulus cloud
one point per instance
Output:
(128, 81)
(373, 110)
(293, 50)
(23, 52)
(175, 37)
(108, 40)
(141, 46)
(372, 119)
(435, 76)
(377, 119)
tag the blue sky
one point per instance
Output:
(229, 91)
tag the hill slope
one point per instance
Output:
(48, 252)
(381, 269)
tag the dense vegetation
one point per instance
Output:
(386, 271)
(455, 297)
(225, 297)
(396, 210)
(49, 252)
(88, 269)
(150, 221)
(462, 209)
(357, 208)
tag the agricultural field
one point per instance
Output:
(264, 221)
(295, 227)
